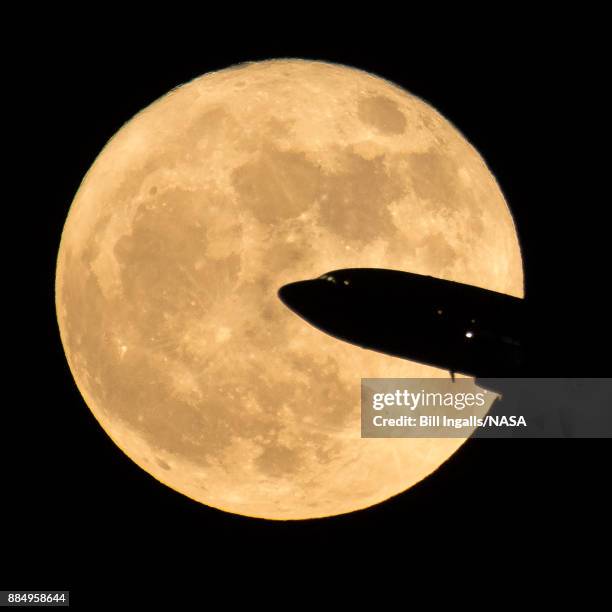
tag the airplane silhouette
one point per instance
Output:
(458, 327)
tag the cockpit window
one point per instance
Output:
(336, 279)
(328, 277)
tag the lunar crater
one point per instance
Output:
(382, 113)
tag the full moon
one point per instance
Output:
(189, 221)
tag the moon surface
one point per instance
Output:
(186, 225)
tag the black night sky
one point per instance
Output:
(77, 514)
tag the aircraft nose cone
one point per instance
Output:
(313, 300)
(296, 295)
(321, 303)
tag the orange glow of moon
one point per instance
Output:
(186, 225)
